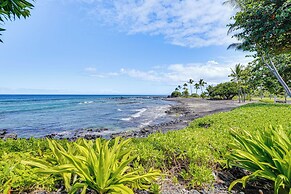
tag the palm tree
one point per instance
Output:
(202, 83)
(179, 87)
(190, 83)
(262, 52)
(185, 86)
(197, 86)
(236, 75)
(185, 92)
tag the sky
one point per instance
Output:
(116, 47)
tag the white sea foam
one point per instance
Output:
(119, 109)
(139, 113)
(86, 102)
(135, 115)
(153, 114)
(126, 119)
(145, 124)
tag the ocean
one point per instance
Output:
(40, 115)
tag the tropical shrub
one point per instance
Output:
(203, 95)
(96, 165)
(224, 91)
(267, 154)
(33, 146)
(185, 93)
(194, 95)
(176, 94)
(16, 177)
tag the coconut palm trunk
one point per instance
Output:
(239, 95)
(275, 72)
(190, 89)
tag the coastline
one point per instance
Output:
(184, 111)
(180, 114)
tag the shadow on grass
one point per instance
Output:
(261, 104)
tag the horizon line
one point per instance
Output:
(94, 94)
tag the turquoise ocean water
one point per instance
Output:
(40, 115)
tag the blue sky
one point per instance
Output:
(116, 47)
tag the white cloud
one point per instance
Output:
(143, 75)
(213, 72)
(92, 71)
(190, 23)
(174, 74)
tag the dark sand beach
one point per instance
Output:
(183, 112)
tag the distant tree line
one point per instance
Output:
(184, 91)
(263, 28)
(247, 81)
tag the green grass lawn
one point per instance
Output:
(189, 155)
(269, 100)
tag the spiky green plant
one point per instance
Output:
(56, 159)
(98, 166)
(267, 154)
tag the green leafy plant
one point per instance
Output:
(97, 166)
(16, 177)
(57, 158)
(266, 154)
(191, 155)
(155, 188)
(10, 9)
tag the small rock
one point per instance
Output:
(3, 132)
(10, 136)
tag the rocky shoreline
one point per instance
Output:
(5, 135)
(182, 112)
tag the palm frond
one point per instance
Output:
(236, 46)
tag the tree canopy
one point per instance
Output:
(224, 91)
(263, 25)
(12, 9)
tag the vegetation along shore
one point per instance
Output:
(229, 137)
(191, 160)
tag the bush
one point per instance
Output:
(16, 177)
(194, 95)
(176, 94)
(224, 91)
(185, 93)
(203, 95)
(96, 165)
(266, 154)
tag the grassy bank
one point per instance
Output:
(188, 156)
(191, 154)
